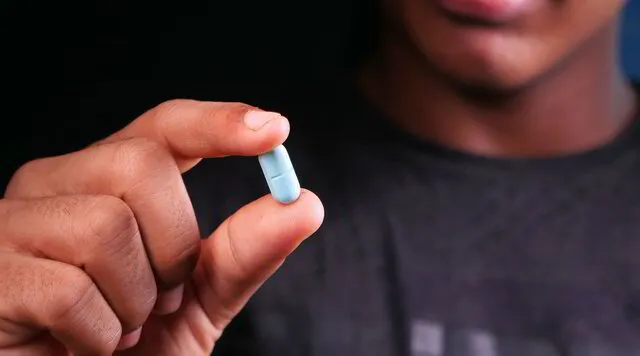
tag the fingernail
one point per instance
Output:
(169, 302)
(255, 120)
(130, 340)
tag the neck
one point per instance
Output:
(583, 104)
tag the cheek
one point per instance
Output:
(584, 18)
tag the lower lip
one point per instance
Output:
(488, 10)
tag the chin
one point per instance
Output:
(493, 60)
(490, 77)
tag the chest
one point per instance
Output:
(518, 264)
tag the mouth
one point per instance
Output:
(486, 13)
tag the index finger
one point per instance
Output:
(192, 130)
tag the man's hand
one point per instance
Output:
(100, 249)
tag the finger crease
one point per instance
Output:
(234, 254)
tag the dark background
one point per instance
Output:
(75, 72)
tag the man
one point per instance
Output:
(479, 179)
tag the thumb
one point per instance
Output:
(247, 249)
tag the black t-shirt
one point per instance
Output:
(426, 251)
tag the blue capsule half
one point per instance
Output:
(280, 176)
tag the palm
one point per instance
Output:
(233, 264)
(186, 332)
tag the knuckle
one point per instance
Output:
(61, 209)
(185, 232)
(144, 301)
(112, 230)
(187, 255)
(111, 223)
(229, 112)
(174, 107)
(184, 108)
(23, 177)
(138, 158)
(190, 236)
(76, 298)
(77, 292)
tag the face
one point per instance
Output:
(500, 43)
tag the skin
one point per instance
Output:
(544, 84)
(99, 249)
